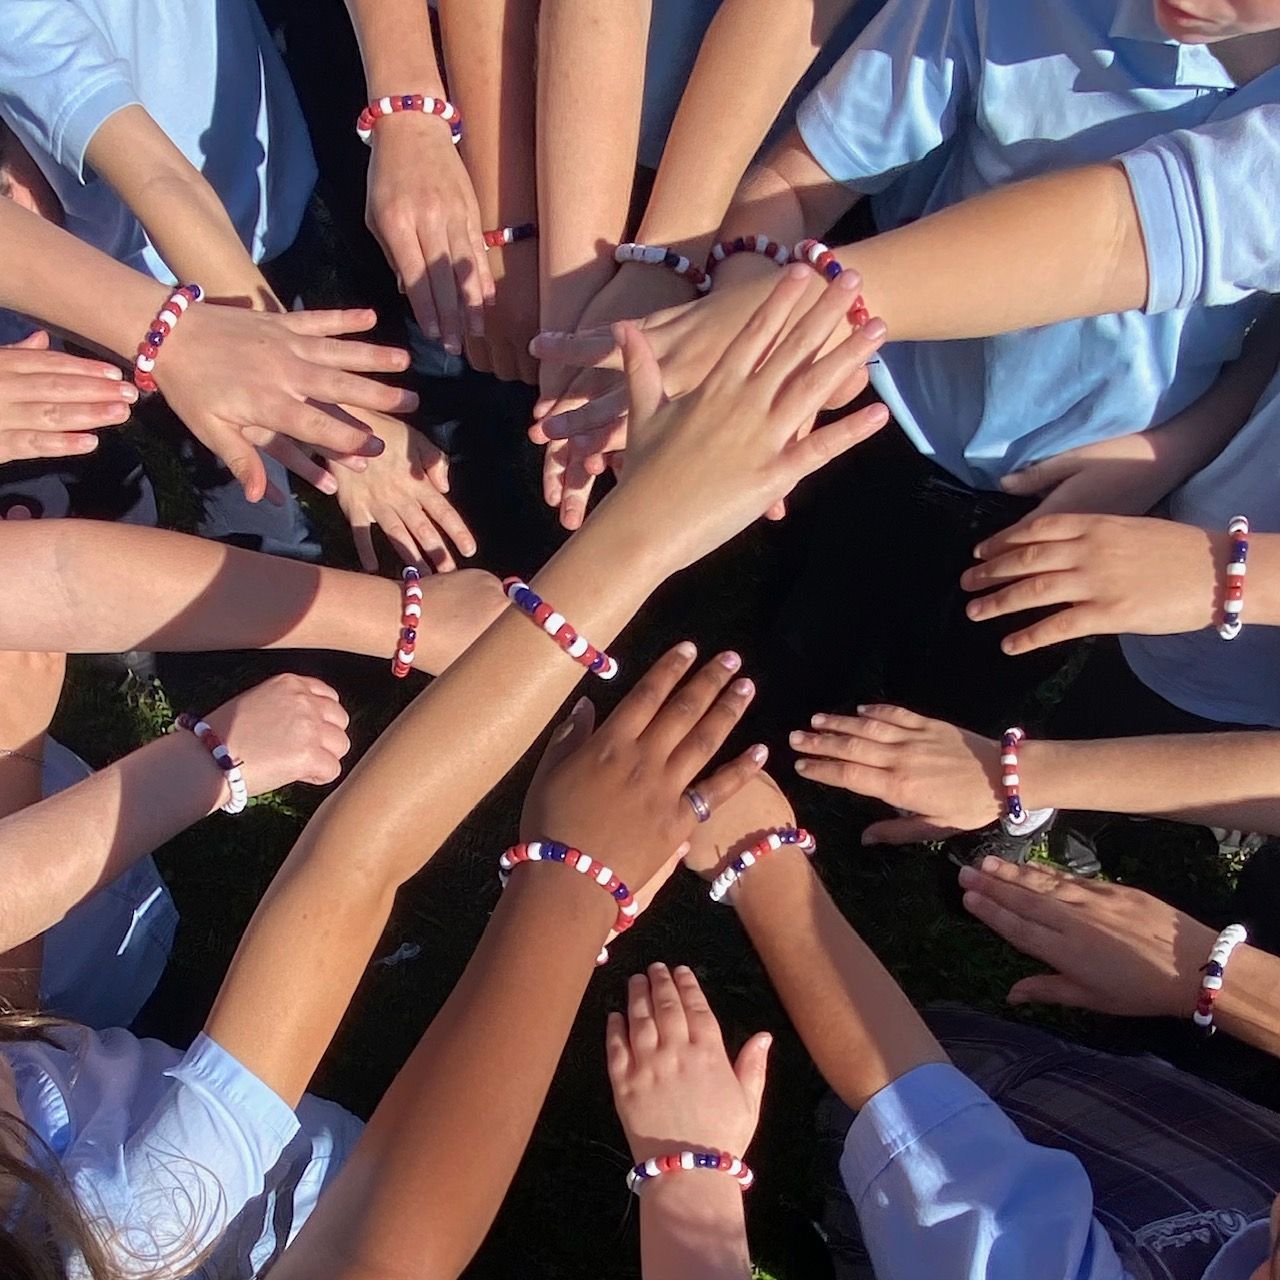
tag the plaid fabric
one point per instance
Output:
(1178, 1165)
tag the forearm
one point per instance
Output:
(385, 1218)
(1248, 1006)
(694, 1228)
(860, 1029)
(79, 586)
(1217, 779)
(490, 49)
(591, 64)
(396, 47)
(55, 853)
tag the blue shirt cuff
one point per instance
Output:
(1164, 192)
(84, 114)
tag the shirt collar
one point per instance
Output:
(1196, 66)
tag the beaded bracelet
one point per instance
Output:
(762, 245)
(161, 327)
(222, 758)
(655, 255)
(823, 260)
(1233, 605)
(748, 858)
(502, 236)
(552, 851)
(410, 618)
(554, 624)
(379, 108)
(679, 1161)
(1211, 983)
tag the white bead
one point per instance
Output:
(578, 647)
(718, 253)
(221, 753)
(631, 910)
(762, 243)
(686, 1159)
(450, 112)
(609, 670)
(534, 851)
(145, 364)
(1010, 759)
(747, 1181)
(651, 1167)
(385, 104)
(1235, 932)
(654, 254)
(179, 300)
(553, 623)
(1210, 983)
(782, 257)
(1011, 780)
(413, 611)
(1236, 570)
(413, 592)
(583, 864)
(169, 317)
(735, 1168)
(1202, 1019)
(406, 657)
(748, 858)
(603, 957)
(704, 285)
(603, 876)
(513, 588)
(775, 840)
(1238, 524)
(682, 266)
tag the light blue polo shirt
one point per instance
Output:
(940, 100)
(1235, 682)
(209, 76)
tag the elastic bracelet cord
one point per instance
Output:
(410, 619)
(1213, 971)
(552, 851)
(656, 255)
(683, 1161)
(823, 260)
(500, 237)
(737, 867)
(577, 647)
(162, 326)
(6, 754)
(762, 245)
(1237, 566)
(380, 108)
(221, 757)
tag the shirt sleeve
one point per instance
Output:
(59, 79)
(896, 94)
(1207, 205)
(945, 1186)
(191, 1166)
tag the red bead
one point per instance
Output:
(542, 613)
(726, 1162)
(148, 350)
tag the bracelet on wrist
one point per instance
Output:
(144, 362)
(577, 647)
(761, 245)
(1237, 565)
(410, 619)
(656, 255)
(738, 867)
(552, 851)
(684, 1161)
(500, 237)
(1017, 819)
(379, 108)
(1213, 971)
(823, 260)
(231, 769)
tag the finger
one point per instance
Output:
(336, 386)
(812, 386)
(1039, 476)
(39, 388)
(1026, 561)
(527, 367)
(42, 363)
(743, 355)
(568, 737)
(362, 537)
(586, 349)
(881, 721)
(327, 430)
(641, 1028)
(480, 256)
(332, 323)
(689, 703)
(1069, 624)
(668, 1008)
(355, 357)
(428, 538)
(709, 734)
(1034, 528)
(554, 461)
(846, 746)
(1052, 988)
(811, 333)
(302, 464)
(479, 355)
(827, 443)
(702, 1024)
(895, 831)
(18, 445)
(1041, 592)
(578, 483)
(606, 410)
(861, 779)
(1025, 935)
(720, 787)
(333, 740)
(455, 528)
(617, 1051)
(437, 470)
(594, 443)
(1033, 888)
(643, 373)
(637, 710)
(36, 340)
(444, 289)
(470, 271)
(404, 251)
(86, 415)
(244, 463)
(752, 1067)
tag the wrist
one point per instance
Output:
(786, 871)
(193, 771)
(1040, 765)
(623, 534)
(584, 910)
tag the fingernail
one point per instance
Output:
(848, 281)
(968, 877)
(799, 271)
(878, 415)
(743, 688)
(759, 753)
(453, 347)
(373, 447)
(866, 839)
(730, 661)
(802, 766)
(128, 392)
(979, 551)
(991, 863)
(767, 1041)
(818, 721)
(863, 708)
(110, 371)
(565, 729)
(468, 549)
(433, 333)
(874, 330)
(657, 967)
(682, 969)
(687, 649)
(796, 739)
(580, 706)
(971, 612)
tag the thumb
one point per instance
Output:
(1051, 988)
(751, 1068)
(1035, 479)
(569, 736)
(36, 341)
(644, 377)
(914, 830)
(246, 466)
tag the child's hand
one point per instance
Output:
(512, 318)
(1100, 569)
(760, 807)
(51, 402)
(673, 1083)
(402, 492)
(617, 794)
(288, 729)
(947, 777)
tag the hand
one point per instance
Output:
(673, 1084)
(758, 808)
(30, 687)
(1116, 950)
(1101, 569)
(288, 729)
(239, 377)
(456, 608)
(948, 779)
(1126, 476)
(402, 492)
(512, 319)
(617, 794)
(422, 210)
(722, 456)
(574, 461)
(50, 402)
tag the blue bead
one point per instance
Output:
(225, 763)
(740, 245)
(407, 102)
(739, 866)
(1015, 810)
(156, 338)
(196, 292)
(622, 893)
(1213, 969)
(833, 270)
(598, 663)
(409, 635)
(672, 258)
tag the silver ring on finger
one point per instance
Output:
(698, 802)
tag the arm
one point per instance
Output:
(87, 587)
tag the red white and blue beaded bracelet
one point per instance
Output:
(762, 245)
(500, 237)
(231, 769)
(1017, 818)
(410, 619)
(683, 1161)
(380, 108)
(1237, 566)
(577, 647)
(656, 255)
(823, 260)
(738, 867)
(1213, 972)
(162, 326)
